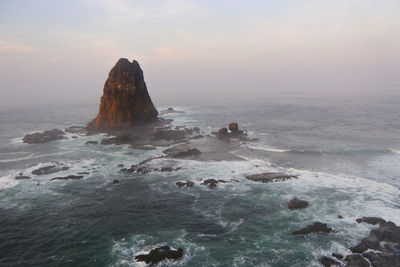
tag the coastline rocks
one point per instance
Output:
(212, 183)
(184, 184)
(120, 139)
(169, 111)
(297, 203)
(269, 177)
(49, 170)
(160, 254)
(313, 228)
(69, 177)
(381, 248)
(125, 101)
(328, 262)
(144, 169)
(43, 137)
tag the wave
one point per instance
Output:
(328, 152)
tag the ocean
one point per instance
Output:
(345, 150)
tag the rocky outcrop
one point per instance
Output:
(43, 137)
(380, 249)
(160, 254)
(184, 184)
(69, 177)
(233, 132)
(313, 228)
(297, 203)
(49, 169)
(125, 101)
(269, 177)
(182, 151)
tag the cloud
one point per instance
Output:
(9, 47)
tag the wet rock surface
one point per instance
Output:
(92, 143)
(270, 177)
(22, 177)
(370, 220)
(297, 203)
(182, 151)
(159, 254)
(316, 227)
(43, 137)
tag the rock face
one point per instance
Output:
(125, 101)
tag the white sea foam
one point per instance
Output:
(7, 181)
(269, 149)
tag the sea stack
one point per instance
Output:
(125, 101)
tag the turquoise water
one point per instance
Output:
(344, 150)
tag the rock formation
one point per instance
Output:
(125, 101)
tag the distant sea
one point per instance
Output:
(344, 149)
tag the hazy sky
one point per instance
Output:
(61, 51)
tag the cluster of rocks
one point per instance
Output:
(231, 132)
(170, 110)
(69, 177)
(169, 134)
(127, 138)
(159, 254)
(181, 151)
(381, 248)
(50, 169)
(43, 137)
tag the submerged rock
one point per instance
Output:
(92, 143)
(43, 137)
(370, 220)
(269, 177)
(160, 254)
(182, 151)
(22, 177)
(328, 262)
(212, 183)
(69, 177)
(76, 129)
(184, 184)
(49, 170)
(115, 181)
(297, 203)
(313, 228)
(122, 139)
(125, 101)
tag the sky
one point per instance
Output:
(54, 51)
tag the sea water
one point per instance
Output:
(345, 151)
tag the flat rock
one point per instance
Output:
(269, 177)
(182, 151)
(328, 262)
(92, 143)
(313, 228)
(356, 260)
(160, 254)
(49, 170)
(43, 137)
(297, 203)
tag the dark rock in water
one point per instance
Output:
(182, 184)
(356, 260)
(188, 153)
(76, 129)
(223, 133)
(196, 129)
(106, 141)
(233, 127)
(269, 177)
(297, 203)
(328, 262)
(160, 254)
(313, 228)
(82, 173)
(125, 101)
(49, 170)
(69, 177)
(212, 183)
(169, 111)
(340, 217)
(370, 220)
(92, 143)
(22, 177)
(382, 259)
(43, 137)
(233, 132)
(115, 181)
(144, 169)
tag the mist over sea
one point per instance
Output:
(344, 148)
